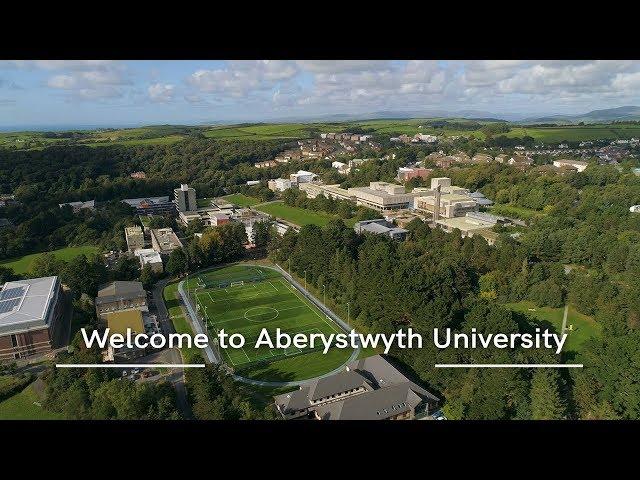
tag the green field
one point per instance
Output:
(22, 265)
(296, 215)
(577, 132)
(25, 406)
(264, 300)
(180, 323)
(241, 200)
(584, 327)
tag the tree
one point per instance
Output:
(84, 275)
(147, 277)
(126, 268)
(47, 265)
(262, 234)
(546, 398)
(177, 263)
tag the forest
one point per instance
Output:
(581, 246)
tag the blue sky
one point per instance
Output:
(97, 92)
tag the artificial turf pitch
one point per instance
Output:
(264, 300)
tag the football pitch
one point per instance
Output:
(245, 299)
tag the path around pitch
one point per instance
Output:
(211, 357)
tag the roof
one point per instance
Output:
(134, 202)
(24, 304)
(374, 405)
(119, 322)
(119, 290)
(148, 255)
(465, 224)
(338, 383)
(571, 162)
(385, 386)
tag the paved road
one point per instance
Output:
(177, 375)
(196, 325)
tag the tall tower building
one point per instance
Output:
(185, 198)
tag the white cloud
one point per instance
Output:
(161, 93)
(242, 78)
(86, 79)
(340, 66)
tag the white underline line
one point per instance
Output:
(130, 365)
(509, 365)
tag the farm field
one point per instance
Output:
(22, 265)
(577, 133)
(264, 131)
(296, 215)
(584, 326)
(245, 299)
(241, 200)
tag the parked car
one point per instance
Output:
(438, 415)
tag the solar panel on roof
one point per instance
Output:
(9, 293)
(8, 305)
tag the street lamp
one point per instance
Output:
(324, 291)
(305, 279)
(348, 314)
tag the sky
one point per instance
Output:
(66, 93)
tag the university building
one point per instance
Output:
(30, 316)
(368, 389)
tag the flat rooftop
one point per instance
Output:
(24, 304)
(465, 224)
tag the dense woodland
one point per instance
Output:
(581, 246)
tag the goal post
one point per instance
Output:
(238, 283)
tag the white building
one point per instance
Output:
(302, 176)
(340, 166)
(148, 256)
(279, 184)
(579, 165)
(382, 196)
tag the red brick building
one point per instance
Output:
(30, 312)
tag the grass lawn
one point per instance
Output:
(25, 406)
(180, 323)
(513, 211)
(295, 215)
(584, 326)
(241, 200)
(203, 202)
(264, 300)
(23, 264)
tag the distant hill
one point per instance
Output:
(594, 116)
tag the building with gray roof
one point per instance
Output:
(120, 295)
(368, 389)
(381, 226)
(30, 312)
